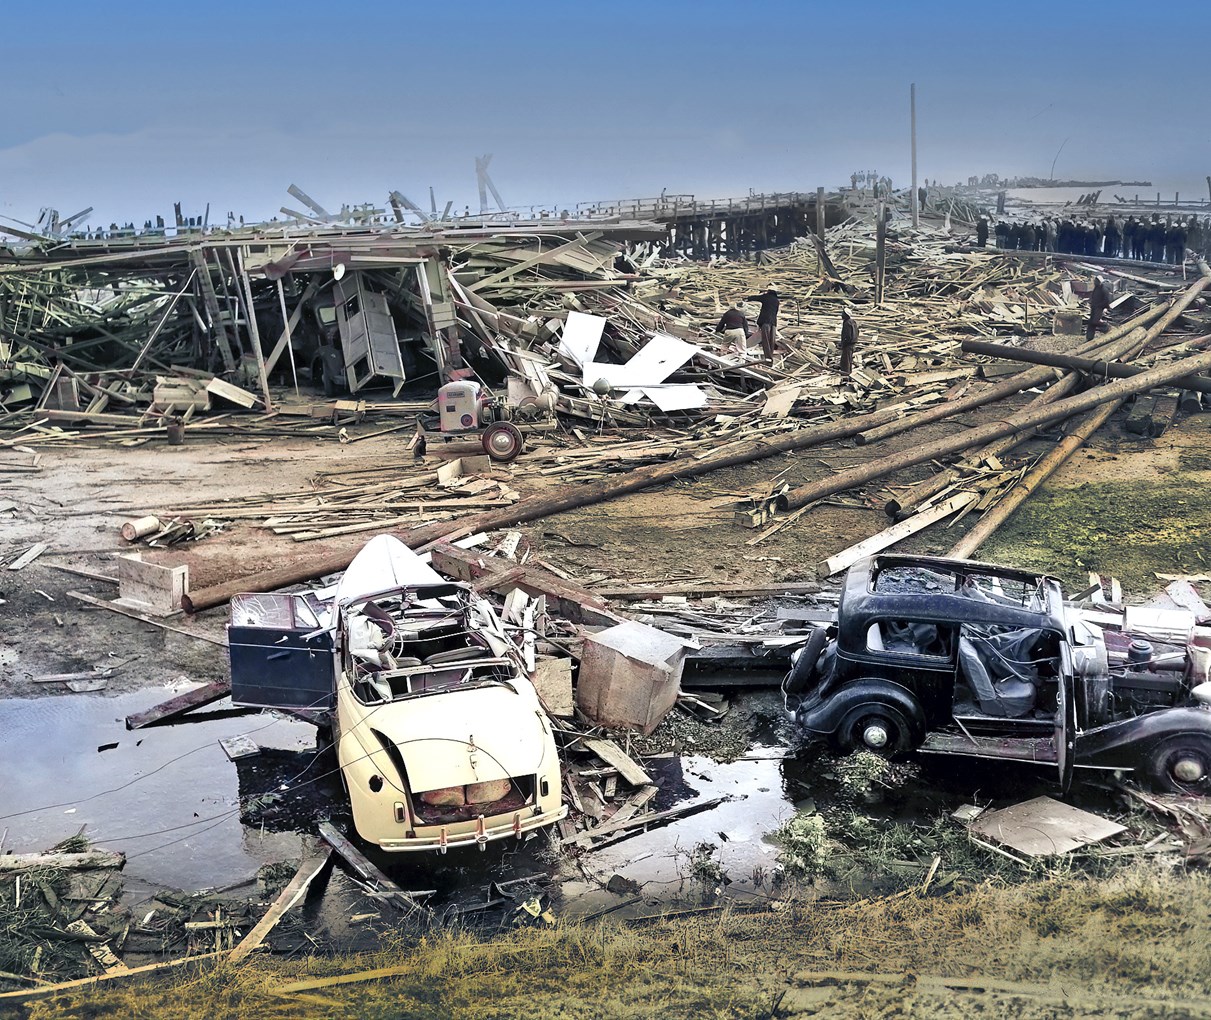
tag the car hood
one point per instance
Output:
(465, 736)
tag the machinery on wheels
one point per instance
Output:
(466, 408)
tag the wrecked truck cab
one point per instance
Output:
(966, 658)
(440, 735)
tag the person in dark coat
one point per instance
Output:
(1001, 231)
(1099, 301)
(982, 232)
(1112, 238)
(849, 340)
(767, 319)
(733, 318)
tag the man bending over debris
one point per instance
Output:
(849, 340)
(734, 326)
(767, 320)
(1099, 301)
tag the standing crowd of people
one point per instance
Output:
(1146, 240)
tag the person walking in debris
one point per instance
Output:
(767, 319)
(1099, 301)
(734, 326)
(982, 232)
(849, 340)
(922, 195)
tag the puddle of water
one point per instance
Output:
(167, 796)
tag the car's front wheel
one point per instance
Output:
(1181, 764)
(879, 728)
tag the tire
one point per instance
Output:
(1181, 764)
(502, 441)
(878, 728)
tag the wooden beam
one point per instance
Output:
(66, 986)
(366, 870)
(134, 614)
(291, 323)
(179, 705)
(287, 898)
(890, 536)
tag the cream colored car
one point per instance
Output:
(440, 735)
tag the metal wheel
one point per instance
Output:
(502, 441)
(879, 728)
(1181, 764)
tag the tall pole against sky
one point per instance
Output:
(912, 101)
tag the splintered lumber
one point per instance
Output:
(612, 754)
(540, 506)
(1044, 469)
(1010, 425)
(1114, 369)
(179, 705)
(287, 898)
(88, 861)
(890, 536)
(638, 593)
(365, 870)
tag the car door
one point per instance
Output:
(281, 656)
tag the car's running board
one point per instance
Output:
(1032, 749)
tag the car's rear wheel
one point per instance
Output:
(879, 728)
(1181, 764)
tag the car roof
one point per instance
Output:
(860, 604)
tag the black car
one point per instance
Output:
(958, 657)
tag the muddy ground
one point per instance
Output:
(1123, 506)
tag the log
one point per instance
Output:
(1044, 469)
(1014, 384)
(74, 862)
(537, 507)
(1113, 369)
(1010, 425)
(367, 871)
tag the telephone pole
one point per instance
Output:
(916, 210)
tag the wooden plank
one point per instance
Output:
(366, 870)
(28, 557)
(612, 754)
(890, 536)
(234, 394)
(295, 890)
(179, 705)
(65, 986)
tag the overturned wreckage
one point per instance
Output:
(956, 657)
(441, 738)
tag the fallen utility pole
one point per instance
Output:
(1010, 425)
(1014, 384)
(537, 507)
(1044, 469)
(1113, 369)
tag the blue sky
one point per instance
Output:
(129, 105)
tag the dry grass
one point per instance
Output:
(1142, 931)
